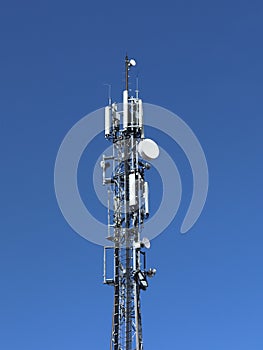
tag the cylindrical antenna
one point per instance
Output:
(125, 109)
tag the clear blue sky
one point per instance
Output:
(200, 59)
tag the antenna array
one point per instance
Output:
(128, 208)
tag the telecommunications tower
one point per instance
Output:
(128, 208)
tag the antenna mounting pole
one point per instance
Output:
(127, 63)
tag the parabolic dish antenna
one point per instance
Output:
(148, 149)
(132, 62)
(146, 242)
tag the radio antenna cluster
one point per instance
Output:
(124, 174)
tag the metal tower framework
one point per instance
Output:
(127, 210)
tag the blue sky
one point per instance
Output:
(200, 59)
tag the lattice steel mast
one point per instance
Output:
(128, 208)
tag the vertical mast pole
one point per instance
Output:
(127, 73)
(128, 242)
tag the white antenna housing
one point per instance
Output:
(132, 62)
(125, 109)
(146, 242)
(146, 198)
(148, 149)
(132, 189)
(107, 120)
(140, 114)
